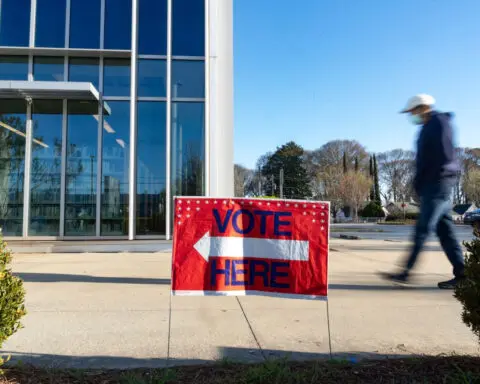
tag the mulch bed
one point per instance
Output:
(461, 369)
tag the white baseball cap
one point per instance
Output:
(418, 100)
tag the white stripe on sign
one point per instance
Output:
(240, 247)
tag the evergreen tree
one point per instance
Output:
(378, 197)
(372, 191)
(290, 157)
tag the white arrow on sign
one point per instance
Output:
(239, 247)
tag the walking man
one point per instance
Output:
(436, 171)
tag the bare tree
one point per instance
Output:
(354, 189)
(471, 185)
(240, 174)
(325, 169)
(397, 170)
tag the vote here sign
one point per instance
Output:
(250, 246)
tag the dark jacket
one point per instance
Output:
(436, 157)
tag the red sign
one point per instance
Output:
(250, 246)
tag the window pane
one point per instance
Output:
(81, 181)
(188, 149)
(46, 168)
(152, 78)
(115, 147)
(48, 68)
(188, 27)
(118, 24)
(151, 166)
(12, 165)
(85, 24)
(15, 23)
(188, 78)
(13, 68)
(116, 77)
(50, 23)
(152, 27)
(84, 70)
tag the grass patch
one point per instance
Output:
(451, 370)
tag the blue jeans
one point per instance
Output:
(435, 216)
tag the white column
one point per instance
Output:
(28, 167)
(132, 190)
(206, 179)
(63, 177)
(220, 97)
(168, 171)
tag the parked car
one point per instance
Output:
(473, 218)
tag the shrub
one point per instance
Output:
(372, 210)
(12, 297)
(397, 216)
(468, 292)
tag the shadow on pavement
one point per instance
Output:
(226, 354)
(370, 287)
(59, 277)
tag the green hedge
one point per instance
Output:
(468, 292)
(12, 297)
(373, 209)
(401, 217)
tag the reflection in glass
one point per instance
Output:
(188, 78)
(118, 24)
(151, 149)
(50, 23)
(81, 172)
(13, 68)
(45, 184)
(115, 158)
(15, 23)
(152, 27)
(83, 69)
(116, 77)
(188, 149)
(85, 24)
(188, 27)
(48, 68)
(152, 78)
(12, 165)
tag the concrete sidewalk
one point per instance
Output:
(114, 310)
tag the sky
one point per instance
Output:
(312, 71)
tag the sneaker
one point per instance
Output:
(396, 278)
(450, 284)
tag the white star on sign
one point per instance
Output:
(198, 209)
(313, 220)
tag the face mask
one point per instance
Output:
(416, 119)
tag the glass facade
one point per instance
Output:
(48, 68)
(50, 23)
(46, 168)
(65, 164)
